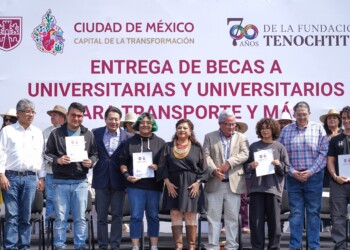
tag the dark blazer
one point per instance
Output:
(106, 172)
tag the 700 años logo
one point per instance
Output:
(237, 32)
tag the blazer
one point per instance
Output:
(239, 153)
(106, 172)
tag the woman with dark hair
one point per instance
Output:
(332, 124)
(266, 190)
(10, 117)
(139, 163)
(183, 168)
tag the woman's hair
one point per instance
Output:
(140, 118)
(3, 123)
(270, 123)
(325, 125)
(192, 137)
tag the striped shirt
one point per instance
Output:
(307, 147)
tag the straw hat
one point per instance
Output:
(59, 109)
(129, 117)
(329, 113)
(242, 127)
(10, 112)
(285, 116)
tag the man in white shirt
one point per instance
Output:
(21, 160)
(58, 117)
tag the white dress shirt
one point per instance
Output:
(22, 149)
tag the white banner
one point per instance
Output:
(175, 59)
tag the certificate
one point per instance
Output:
(141, 163)
(344, 165)
(75, 146)
(264, 158)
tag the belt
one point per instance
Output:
(225, 180)
(20, 173)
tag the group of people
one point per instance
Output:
(135, 162)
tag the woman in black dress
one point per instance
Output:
(182, 167)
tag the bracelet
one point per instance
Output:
(126, 174)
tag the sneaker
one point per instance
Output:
(245, 230)
(135, 248)
(327, 229)
(154, 248)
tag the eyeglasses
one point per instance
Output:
(76, 116)
(301, 115)
(28, 112)
(12, 120)
(229, 125)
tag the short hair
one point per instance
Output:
(140, 118)
(113, 109)
(226, 113)
(272, 124)
(346, 109)
(78, 106)
(301, 104)
(23, 104)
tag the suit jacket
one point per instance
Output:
(239, 152)
(106, 172)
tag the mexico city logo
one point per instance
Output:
(48, 37)
(10, 32)
(238, 32)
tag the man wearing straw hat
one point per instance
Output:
(58, 117)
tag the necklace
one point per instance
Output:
(181, 151)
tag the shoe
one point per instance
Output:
(327, 229)
(245, 230)
(154, 248)
(135, 248)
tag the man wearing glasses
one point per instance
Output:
(21, 163)
(307, 144)
(225, 150)
(70, 167)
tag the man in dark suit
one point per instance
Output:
(107, 180)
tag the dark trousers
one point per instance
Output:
(105, 198)
(340, 197)
(264, 205)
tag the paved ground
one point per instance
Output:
(166, 243)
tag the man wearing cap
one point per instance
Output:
(58, 117)
(225, 152)
(21, 163)
(339, 146)
(107, 180)
(70, 168)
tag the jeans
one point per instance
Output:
(70, 196)
(114, 199)
(305, 197)
(18, 203)
(49, 198)
(141, 200)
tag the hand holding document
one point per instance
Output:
(344, 166)
(141, 163)
(75, 146)
(264, 158)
